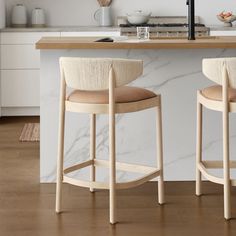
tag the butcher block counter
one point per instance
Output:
(172, 68)
(178, 43)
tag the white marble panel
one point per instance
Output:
(176, 74)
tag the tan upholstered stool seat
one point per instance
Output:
(215, 93)
(123, 94)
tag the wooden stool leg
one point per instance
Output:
(112, 171)
(226, 161)
(112, 148)
(199, 149)
(60, 158)
(92, 147)
(161, 198)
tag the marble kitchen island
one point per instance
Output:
(172, 68)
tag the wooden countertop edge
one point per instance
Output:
(81, 43)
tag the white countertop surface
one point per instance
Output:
(63, 29)
(93, 29)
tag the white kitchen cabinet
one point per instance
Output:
(19, 57)
(20, 88)
(20, 38)
(20, 72)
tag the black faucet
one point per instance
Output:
(191, 19)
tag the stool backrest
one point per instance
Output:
(214, 69)
(93, 73)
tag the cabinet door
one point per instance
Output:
(19, 57)
(20, 88)
(11, 38)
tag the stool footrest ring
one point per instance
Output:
(217, 164)
(204, 165)
(208, 176)
(149, 174)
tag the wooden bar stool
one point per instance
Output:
(221, 97)
(98, 85)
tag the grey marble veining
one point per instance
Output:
(176, 75)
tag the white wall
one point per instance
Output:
(2, 14)
(80, 12)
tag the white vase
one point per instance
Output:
(2, 14)
(19, 16)
(38, 18)
(103, 16)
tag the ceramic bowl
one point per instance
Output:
(138, 17)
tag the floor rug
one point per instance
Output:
(30, 133)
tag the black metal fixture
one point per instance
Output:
(191, 19)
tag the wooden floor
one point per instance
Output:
(27, 208)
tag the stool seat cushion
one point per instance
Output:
(124, 94)
(215, 93)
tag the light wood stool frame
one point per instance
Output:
(224, 106)
(111, 109)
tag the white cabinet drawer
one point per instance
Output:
(20, 88)
(90, 34)
(25, 37)
(19, 57)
